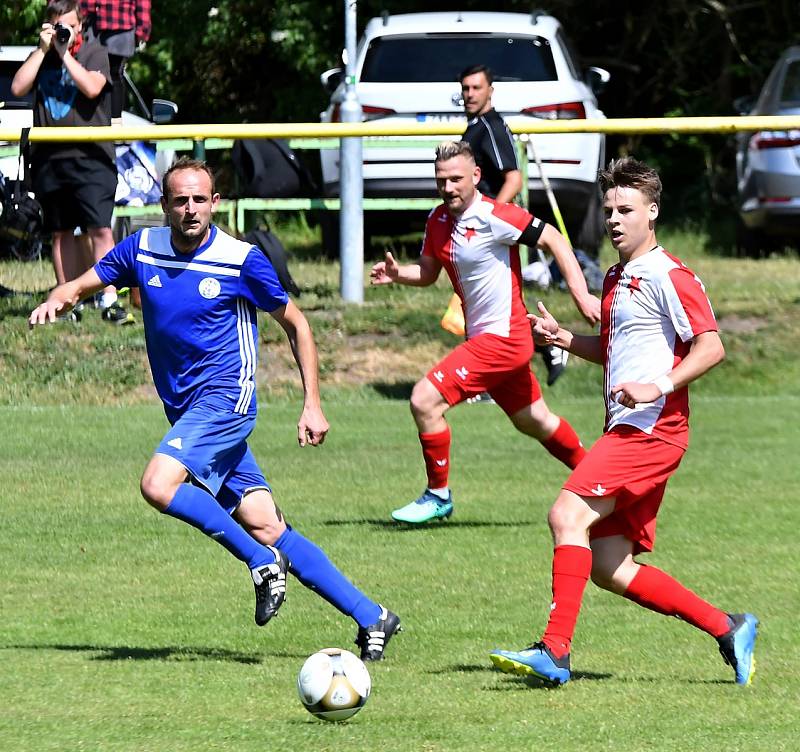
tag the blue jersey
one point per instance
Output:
(199, 312)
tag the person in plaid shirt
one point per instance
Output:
(120, 26)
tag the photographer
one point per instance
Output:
(74, 182)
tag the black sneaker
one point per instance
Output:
(73, 316)
(555, 360)
(373, 639)
(270, 585)
(117, 315)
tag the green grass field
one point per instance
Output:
(124, 630)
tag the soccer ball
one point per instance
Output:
(333, 684)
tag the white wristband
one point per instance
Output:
(665, 385)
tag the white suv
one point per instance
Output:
(407, 71)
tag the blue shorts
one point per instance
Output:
(211, 443)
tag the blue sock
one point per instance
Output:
(316, 571)
(201, 510)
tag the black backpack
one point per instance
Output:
(268, 168)
(21, 218)
(273, 249)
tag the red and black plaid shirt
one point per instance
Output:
(118, 15)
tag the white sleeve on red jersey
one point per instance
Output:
(687, 304)
(508, 222)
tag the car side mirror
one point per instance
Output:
(331, 78)
(163, 111)
(596, 79)
(744, 105)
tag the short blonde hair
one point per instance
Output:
(451, 149)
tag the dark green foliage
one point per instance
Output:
(246, 61)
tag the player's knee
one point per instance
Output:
(156, 491)
(536, 421)
(566, 519)
(424, 400)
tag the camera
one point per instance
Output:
(63, 33)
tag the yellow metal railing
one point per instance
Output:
(201, 132)
(389, 134)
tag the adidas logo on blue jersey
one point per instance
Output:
(154, 281)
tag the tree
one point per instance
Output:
(247, 61)
(19, 20)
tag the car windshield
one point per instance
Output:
(441, 57)
(790, 93)
(8, 70)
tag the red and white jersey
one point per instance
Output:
(651, 310)
(479, 252)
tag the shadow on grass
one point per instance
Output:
(515, 682)
(402, 527)
(167, 653)
(398, 391)
(20, 307)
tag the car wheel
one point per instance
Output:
(750, 242)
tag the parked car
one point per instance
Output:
(768, 164)
(407, 72)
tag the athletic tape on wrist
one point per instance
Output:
(664, 383)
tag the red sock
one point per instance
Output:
(659, 592)
(572, 566)
(436, 453)
(565, 445)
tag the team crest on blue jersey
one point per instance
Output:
(209, 287)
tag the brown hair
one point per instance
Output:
(628, 172)
(186, 163)
(451, 149)
(57, 8)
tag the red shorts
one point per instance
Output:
(489, 363)
(632, 467)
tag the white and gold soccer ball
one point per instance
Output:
(333, 684)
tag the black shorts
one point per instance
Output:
(75, 192)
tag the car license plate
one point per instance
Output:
(439, 117)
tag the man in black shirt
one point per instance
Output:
(489, 137)
(501, 179)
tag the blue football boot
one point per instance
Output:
(737, 645)
(427, 507)
(537, 660)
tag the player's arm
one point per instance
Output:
(546, 331)
(65, 296)
(423, 272)
(705, 352)
(312, 426)
(552, 241)
(512, 185)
